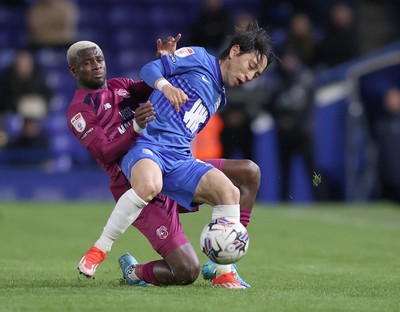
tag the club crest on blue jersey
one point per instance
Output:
(78, 122)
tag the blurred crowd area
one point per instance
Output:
(310, 38)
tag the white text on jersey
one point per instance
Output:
(198, 114)
(122, 128)
(126, 113)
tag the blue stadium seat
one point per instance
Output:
(128, 15)
(13, 27)
(102, 38)
(56, 123)
(133, 60)
(59, 103)
(279, 35)
(60, 81)
(66, 147)
(5, 38)
(128, 39)
(166, 17)
(6, 56)
(92, 16)
(50, 59)
(13, 125)
(13, 17)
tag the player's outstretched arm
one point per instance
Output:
(153, 74)
(176, 96)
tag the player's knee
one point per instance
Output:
(253, 174)
(227, 194)
(233, 195)
(147, 190)
(187, 273)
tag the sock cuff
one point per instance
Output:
(133, 197)
(228, 211)
(245, 217)
(223, 269)
(147, 272)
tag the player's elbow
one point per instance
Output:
(151, 72)
(106, 159)
(101, 153)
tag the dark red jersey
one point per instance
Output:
(102, 120)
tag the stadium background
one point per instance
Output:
(126, 30)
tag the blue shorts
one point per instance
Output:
(181, 173)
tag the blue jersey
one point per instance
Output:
(198, 74)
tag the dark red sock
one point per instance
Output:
(245, 217)
(146, 273)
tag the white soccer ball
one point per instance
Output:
(224, 240)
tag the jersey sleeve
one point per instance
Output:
(182, 61)
(151, 72)
(83, 123)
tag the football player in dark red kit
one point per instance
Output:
(107, 116)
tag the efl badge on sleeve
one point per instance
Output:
(184, 52)
(78, 122)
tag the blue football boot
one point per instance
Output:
(209, 269)
(128, 263)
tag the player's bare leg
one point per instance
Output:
(216, 189)
(180, 267)
(125, 212)
(245, 175)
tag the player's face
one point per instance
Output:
(90, 69)
(242, 68)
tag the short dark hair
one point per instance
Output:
(252, 38)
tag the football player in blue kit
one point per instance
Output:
(189, 88)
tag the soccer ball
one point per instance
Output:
(224, 240)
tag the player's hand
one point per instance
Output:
(145, 114)
(167, 46)
(175, 95)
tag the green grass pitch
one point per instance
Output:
(301, 258)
